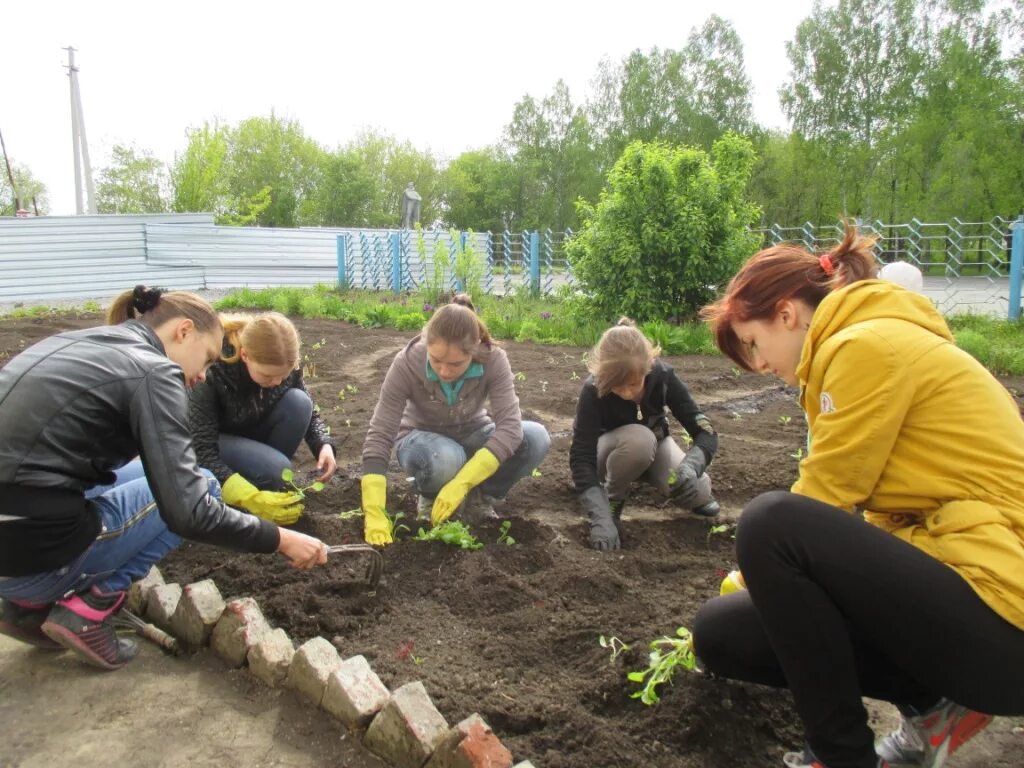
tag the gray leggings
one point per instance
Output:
(633, 452)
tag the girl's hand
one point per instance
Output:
(326, 464)
(303, 552)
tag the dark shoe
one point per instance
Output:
(711, 509)
(84, 624)
(24, 623)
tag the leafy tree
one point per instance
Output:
(28, 188)
(134, 182)
(478, 191)
(390, 165)
(345, 193)
(199, 175)
(671, 226)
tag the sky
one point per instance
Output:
(444, 75)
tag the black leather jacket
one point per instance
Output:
(230, 401)
(77, 406)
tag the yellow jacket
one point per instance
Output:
(916, 433)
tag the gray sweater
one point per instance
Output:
(408, 401)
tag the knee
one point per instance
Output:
(537, 442)
(761, 523)
(712, 637)
(435, 465)
(297, 404)
(637, 445)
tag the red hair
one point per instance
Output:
(782, 273)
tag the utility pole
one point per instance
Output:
(10, 176)
(81, 145)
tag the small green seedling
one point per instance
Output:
(784, 420)
(614, 645)
(736, 373)
(536, 473)
(717, 529)
(396, 527)
(452, 532)
(520, 376)
(798, 454)
(350, 514)
(289, 477)
(574, 376)
(503, 537)
(667, 653)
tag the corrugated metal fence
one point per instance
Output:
(967, 265)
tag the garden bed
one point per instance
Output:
(512, 632)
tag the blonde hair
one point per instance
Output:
(154, 307)
(621, 353)
(458, 323)
(269, 338)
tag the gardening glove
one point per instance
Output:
(281, 507)
(473, 472)
(684, 490)
(732, 583)
(376, 526)
(603, 532)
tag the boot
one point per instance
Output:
(84, 624)
(711, 509)
(23, 621)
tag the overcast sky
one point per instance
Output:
(444, 75)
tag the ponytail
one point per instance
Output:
(154, 307)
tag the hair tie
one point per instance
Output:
(826, 264)
(144, 299)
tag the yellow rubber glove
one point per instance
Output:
(473, 472)
(281, 507)
(376, 526)
(732, 583)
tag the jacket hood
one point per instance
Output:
(868, 300)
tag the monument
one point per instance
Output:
(411, 202)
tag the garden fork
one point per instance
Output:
(374, 569)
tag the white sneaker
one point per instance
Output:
(926, 740)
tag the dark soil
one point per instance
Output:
(512, 632)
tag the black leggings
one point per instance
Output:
(837, 609)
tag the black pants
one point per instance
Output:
(838, 609)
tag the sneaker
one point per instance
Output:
(84, 624)
(926, 740)
(711, 509)
(806, 759)
(424, 507)
(24, 622)
(477, 508)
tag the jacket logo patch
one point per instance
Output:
(827, 406)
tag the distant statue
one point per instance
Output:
(411, 201)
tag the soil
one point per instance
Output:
(511, 632)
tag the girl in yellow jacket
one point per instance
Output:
(894, 567)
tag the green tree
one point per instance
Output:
(478, 191)
(199, 175)
(345, 193)
(391, 165)
(28, 188)
(670, 228)
(134, 182)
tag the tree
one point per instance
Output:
(199, 176)
(390, 165)
(478, 191)
(134, 182)
(345, 193)
(28, 187)
(670, 228)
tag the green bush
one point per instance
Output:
(671, 227)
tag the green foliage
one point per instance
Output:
(289, 477)
(996, 344)
(666, 655)
(468, 265)
(452, 532)
(614, 645)
(503, 535)
(28, 187)
(669, 230)
(134, 182)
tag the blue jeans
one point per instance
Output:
(433, 459)
(133, 537)
(263, 452)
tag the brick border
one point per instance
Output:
(401, 727)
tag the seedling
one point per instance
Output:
(350, 514)
(614, 645)
(716, 530)
(667, 653)
(536, 473)
(503, 537)
(543, 386)
(798, 454)
(520, 376)
(289, 477)
(574, 376)
(784, 420)
(452, 532)
(736, 373)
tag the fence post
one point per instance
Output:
(535, 263)
(1016, 267)
(396, 262)
(342, 278)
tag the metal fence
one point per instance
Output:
(968, 266)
